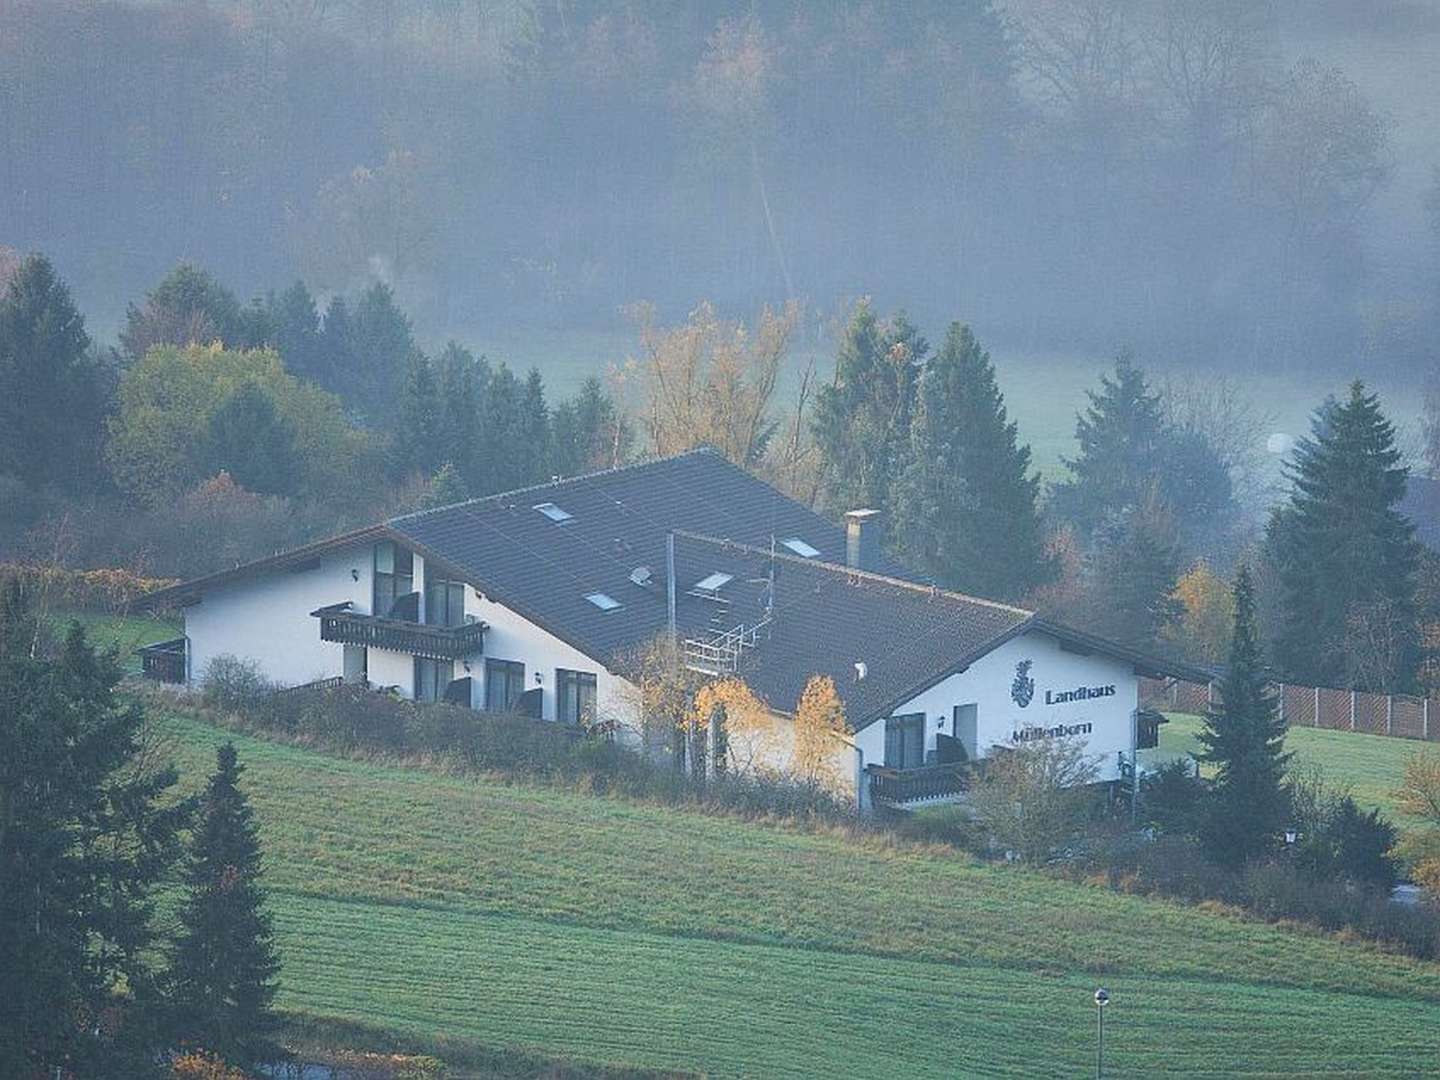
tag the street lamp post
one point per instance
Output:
(1102, 998)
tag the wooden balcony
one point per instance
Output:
(927, 785)
(164, 661)
(338, 623)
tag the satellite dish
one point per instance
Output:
(641, 575)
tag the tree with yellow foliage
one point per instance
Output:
(820, 725)
(1419, 796)
(746, 726)
(1208, 612)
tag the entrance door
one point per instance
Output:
(965, 728)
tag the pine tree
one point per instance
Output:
(963, 510)
(1341, 549)
(862, 420)
(419, 428)
(337, 361)
(1244, 739)
(446, 488)
(1121, 435)
(52, 396)
(187, 307)
(83, 845)
(588, 433)
(380, 345)
(504, 455)
(295, 333)
(1133, 573)
(460, 414)
(532, 430)
(222, 973)
(248, 439)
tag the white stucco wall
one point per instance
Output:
(987, 683)
(266, 618)
(512, 637)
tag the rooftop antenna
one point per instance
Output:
(770, 585)
(670, 586)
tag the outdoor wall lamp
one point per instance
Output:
(539, 678)
(354, 574)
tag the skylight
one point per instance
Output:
(801, 548)
(602, 601)
(554, 513)
(713, 582)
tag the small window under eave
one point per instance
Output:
(602, 601)
(554, 513)
(801, 548)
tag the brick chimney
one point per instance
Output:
(862, 529)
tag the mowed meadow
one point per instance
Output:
(601, 931)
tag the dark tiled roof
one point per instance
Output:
(618, 522)
(827, 617)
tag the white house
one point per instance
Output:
(539, 601)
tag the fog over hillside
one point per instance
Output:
(1229, 183)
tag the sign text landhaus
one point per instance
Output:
(1080, 693)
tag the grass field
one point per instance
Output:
(125, 633)
(604, 931)
(1369, 766)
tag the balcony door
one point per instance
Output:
(905, 741)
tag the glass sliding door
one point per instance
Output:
(905, 741)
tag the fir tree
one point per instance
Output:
(337, 360)
(1121, 435)
(504, 454)
(222, 973)
(248, 439)
(588, 433)
(295, 333)
(419, 429)
(1133, 573)
(1342, 550)
(862, 420)
(1244, 739)
(187, 307)
(461, 437)
(52, 395)
(83, 845)
(532, 430)
(380, 345)
(964, 508)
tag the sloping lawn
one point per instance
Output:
(124, 633)
(1370, 766)
(604, 931)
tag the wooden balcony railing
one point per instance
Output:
(436, 642)
(910, 787)
(164, 661)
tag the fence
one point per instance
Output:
(1397, 715)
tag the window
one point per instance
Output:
(554, 513)
(801, 548)
(394, 577)
(432, 677)
(905, 741)
(504, 683)
(444, 602)
(602, 601)
(574, 696)
(714, 582)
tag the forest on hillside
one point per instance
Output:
(1185, 179)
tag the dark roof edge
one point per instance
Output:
(850, 571)
(177, 595)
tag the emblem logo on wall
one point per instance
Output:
(1022, 690)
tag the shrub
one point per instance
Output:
(1172, 798)
(1035, 799)
(200, 1065)
(1352, 845)
(233, 684)
(111, 589)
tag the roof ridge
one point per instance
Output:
(869, 575)
(554, 482)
